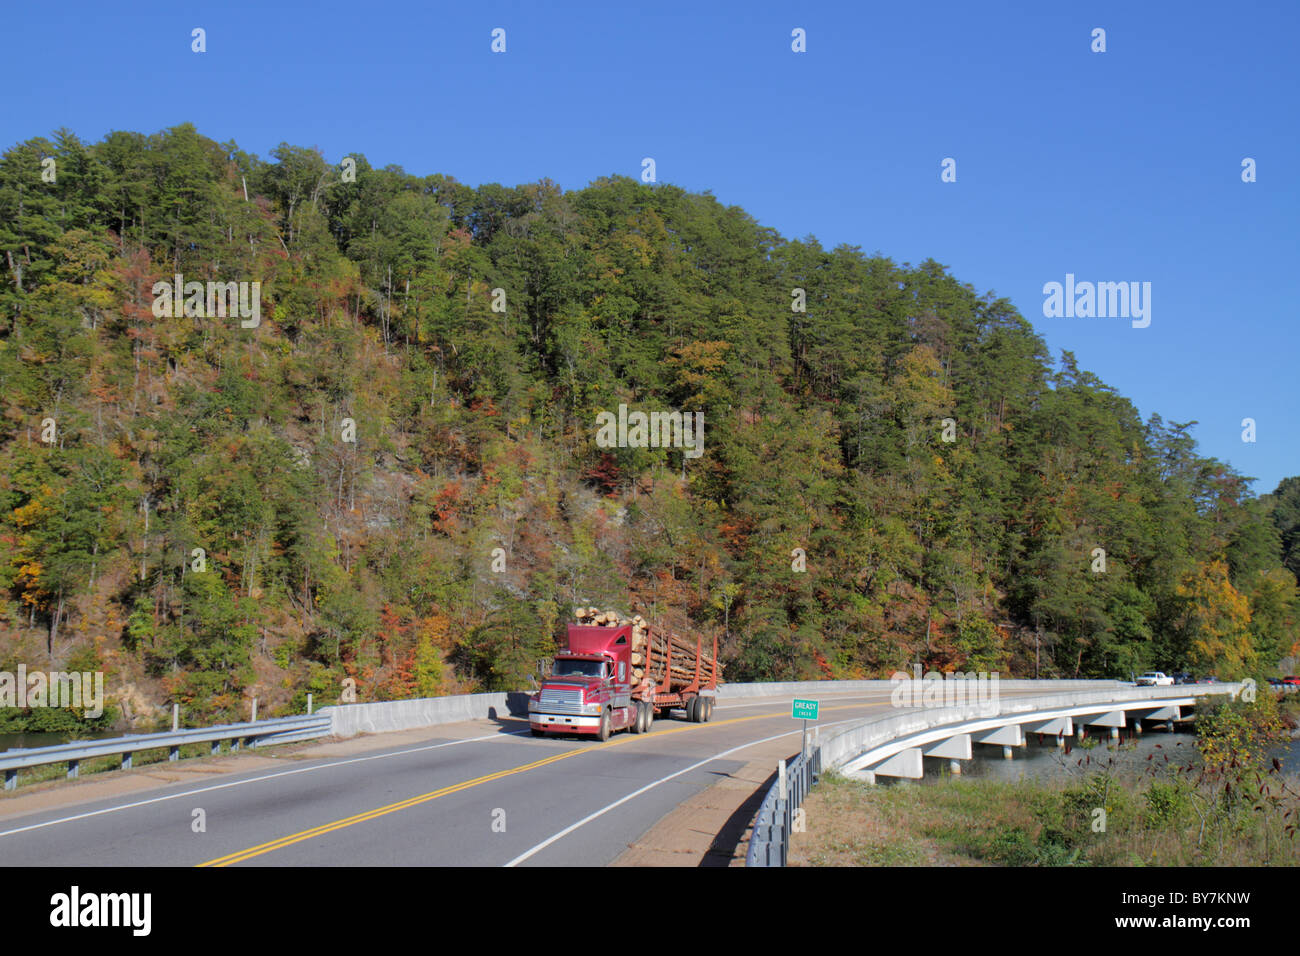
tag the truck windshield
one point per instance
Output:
(564, 668)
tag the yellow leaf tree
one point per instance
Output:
(1216, 622)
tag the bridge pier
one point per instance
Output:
(956, 748)
(1058, 727)
(905, 763)
(1007, 753)
(1006, 737)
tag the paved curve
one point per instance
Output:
(487, 800)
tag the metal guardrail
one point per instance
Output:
(769, 841)
(279, 730)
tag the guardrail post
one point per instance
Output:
(254, 720)
(216, 747)
(73, 767)
(174, 754)
(785, 830)
(126, 760)
(11, 779)
(309, 705)
(176, 717)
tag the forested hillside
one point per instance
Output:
(196, 520)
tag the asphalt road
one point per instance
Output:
(500, 798)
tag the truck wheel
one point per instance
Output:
(693, 710)
(707, 706)
(639, 720)
(649, 717)
(537, 733)
(643, 716)
(603, 734)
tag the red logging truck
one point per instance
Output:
(619, 674)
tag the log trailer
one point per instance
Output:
(620, 674)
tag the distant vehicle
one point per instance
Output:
(1274, 681)
(1183, 678)
(1208, 680)
(1154, 679)
(1292, 681)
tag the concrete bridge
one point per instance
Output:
(898, 745)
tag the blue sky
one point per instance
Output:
(1115, 166)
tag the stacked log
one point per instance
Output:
(640, 647)
(652, 647)
(591, 616)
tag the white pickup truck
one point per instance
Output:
(1154, 679)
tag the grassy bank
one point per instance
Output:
(1234, 808)
(988, 823)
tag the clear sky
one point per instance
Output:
(1115, 166)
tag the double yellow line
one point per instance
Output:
(324, 828)
(291, 839)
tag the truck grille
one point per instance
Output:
(561, 697)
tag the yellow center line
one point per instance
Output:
(279, 844)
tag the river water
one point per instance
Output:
(24, 741)
(1136, 753)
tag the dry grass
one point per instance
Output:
(968, 822)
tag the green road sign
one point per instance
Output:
(805, 709)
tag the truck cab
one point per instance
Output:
(588, 691)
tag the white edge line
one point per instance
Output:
(650, 786)
(341, 763)
(269, 776)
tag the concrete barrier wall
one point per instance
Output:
(812, 687)
(347, 720)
